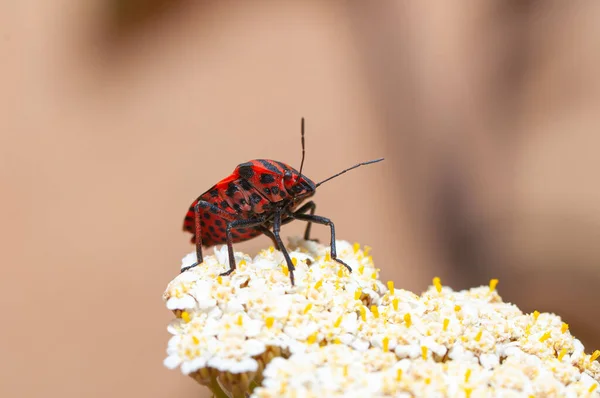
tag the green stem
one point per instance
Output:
(216, 389)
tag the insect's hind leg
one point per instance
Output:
(253, 222)
(288, 260)
(324, 221)
(199, 257)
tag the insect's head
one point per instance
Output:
(297, 185)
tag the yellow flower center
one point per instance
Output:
(375, 311)
(269, 322)
(357, 294)
(467, 375)
(545, 336)
(438, 284)
(186, 316)
(446, 323)
(390, 286)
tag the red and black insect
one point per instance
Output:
(257, 198)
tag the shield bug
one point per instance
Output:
(257, 199)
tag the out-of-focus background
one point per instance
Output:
(116, 114)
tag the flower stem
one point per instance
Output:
(216, 389)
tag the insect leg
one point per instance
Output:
(204, 205)
(310, 207)
(324, 221)
(276, 229)
(237, 224)
(199, 257)
(266, 231)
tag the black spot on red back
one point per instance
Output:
(283, 166)
(245, 184)
(266, 178)
(270, 166)
(231, 189)
(255, 198)
(246, 170)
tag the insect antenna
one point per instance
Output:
(302, 161)
(348, 169)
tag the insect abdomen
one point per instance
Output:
(229, 200)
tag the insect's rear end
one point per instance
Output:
(213, 228)
(257, 198)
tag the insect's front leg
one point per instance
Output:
(276, 229)
(307, 207)
(253, 222)
(310, 207)
(324, 221)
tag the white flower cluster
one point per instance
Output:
(346, 334)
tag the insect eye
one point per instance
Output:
(287, 175)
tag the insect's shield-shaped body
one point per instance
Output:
(254, 188)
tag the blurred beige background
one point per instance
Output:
(117, 114)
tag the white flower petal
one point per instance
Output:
(181, 303)
(172, 361)
(193, 365)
